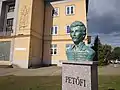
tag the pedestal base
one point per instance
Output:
(79, 75)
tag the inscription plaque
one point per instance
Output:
(79, 76)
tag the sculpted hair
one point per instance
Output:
(78, 23)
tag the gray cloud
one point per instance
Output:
(104, 20)
(101, 7)
(110, 39)
(104, 16)
(106, 23)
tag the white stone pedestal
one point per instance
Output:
(79, 75)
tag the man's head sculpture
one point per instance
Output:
(79, 51)
(77, 32)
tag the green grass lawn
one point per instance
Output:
(51, 83)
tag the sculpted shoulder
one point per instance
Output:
(89, 49)
(69, 49)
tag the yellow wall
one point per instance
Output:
(37, 25)
(7, 39)
(62, 20)
(61, 47)
(37, 17)
(30, 24)
(21, 42)
(35, 51)
(24, 17)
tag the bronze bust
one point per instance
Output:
(79, 51)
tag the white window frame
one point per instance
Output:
(11, 4)
(53, 48)
(66, 29)
(53, 28)
(69, 6)
(8, 25)
(56, 9)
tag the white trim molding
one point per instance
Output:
(65, 1)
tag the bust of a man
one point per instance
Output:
(79, 51)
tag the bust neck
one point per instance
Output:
(79, 44)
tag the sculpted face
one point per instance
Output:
(79, 51)
(77, 34)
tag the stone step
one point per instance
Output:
(5, 66)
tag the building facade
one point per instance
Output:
(36, 32)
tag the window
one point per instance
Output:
(53, 49)
(11, 7)
(55, 12)
(70, 10)
(68, 29)
(54, 30)
(68, 46)
(9, 24)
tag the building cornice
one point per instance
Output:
(62, 1)
(65, 1)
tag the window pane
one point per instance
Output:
(52, 30)
(55, 46)
(55, 51)
(10, 21)
(56, 30)
(72, 10)
(9, 24)
(68, 29)
(68, 10)
(11, 7)
(51, 51)
(55, 12)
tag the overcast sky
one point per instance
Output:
(104, 20)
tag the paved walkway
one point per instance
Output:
(53, 70)
(43, 71)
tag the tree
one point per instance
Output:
(102, 51)
(98, 50)
(95, 48)
(116, 53)
(107, 52)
